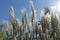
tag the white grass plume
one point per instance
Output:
(6, 25)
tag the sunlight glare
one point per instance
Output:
(58, 6)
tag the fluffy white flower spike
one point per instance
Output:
(12, 12)
(13, 18)
(6, 25)
(23, 13)
(33, 12)
(18, 22)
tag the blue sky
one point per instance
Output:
(20, 4)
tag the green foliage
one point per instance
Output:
(1, 34)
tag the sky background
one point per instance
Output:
(20, 4)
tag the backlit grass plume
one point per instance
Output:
(6, 25)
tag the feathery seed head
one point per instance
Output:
(6, 25)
